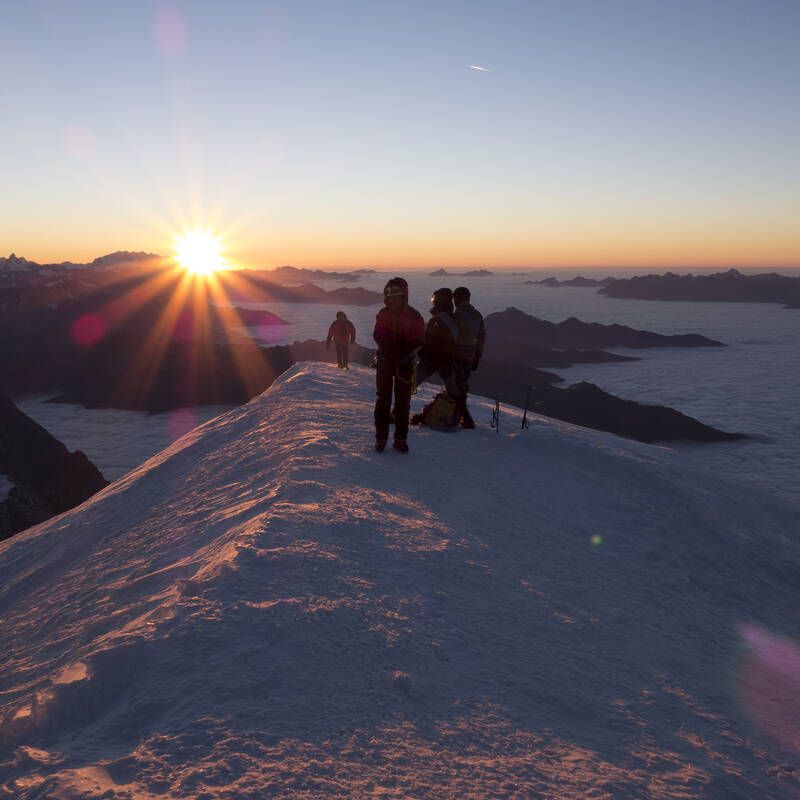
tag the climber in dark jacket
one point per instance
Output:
(399, 332)
(469, 346)
(438, 354)
(343, 333)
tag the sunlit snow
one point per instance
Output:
(269, 607)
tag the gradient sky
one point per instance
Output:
(355, 133)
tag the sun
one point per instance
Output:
(199, 252)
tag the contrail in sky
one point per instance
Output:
(480, 69)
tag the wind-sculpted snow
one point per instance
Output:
(269, 608)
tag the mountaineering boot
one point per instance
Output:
(464, 417)
(466, 420)
(380, 445)
(401, 445)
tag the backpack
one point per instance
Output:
(469, 322)
(441, 414)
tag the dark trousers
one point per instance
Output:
(461, 373)
(341, 354)
(427, 369)
(392, 380)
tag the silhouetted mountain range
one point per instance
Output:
(118, 258)
(579, 281)
(513, 328)
(289, 274)
(472, 273)
(245, 285)
(730, 286)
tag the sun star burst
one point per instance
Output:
(199, 252)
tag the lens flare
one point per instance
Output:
(88, 329)
(770, 685)
(199, 252)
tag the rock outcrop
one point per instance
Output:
(579, 281)
(47, 479)
(588, 405)
(513, 325)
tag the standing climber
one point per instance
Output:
(439, 351)
(469, 347)
(343, 333)
(399, 331)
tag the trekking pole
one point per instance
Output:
(525, 424)
(496, 416)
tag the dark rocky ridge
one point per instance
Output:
(47, 478)
(472, 273)
(730, 286)
(579, 281)
(289, 274)
(514, 327)
(258, 286)
(588, 405)
(117, 258)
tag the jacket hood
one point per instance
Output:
(394, 287)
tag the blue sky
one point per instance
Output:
(356, 132)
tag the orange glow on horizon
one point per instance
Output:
(514, 243)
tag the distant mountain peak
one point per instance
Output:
(121, 256)
(117, 257)
(16, 262)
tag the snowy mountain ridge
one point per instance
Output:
(270, 608)
(117, 258)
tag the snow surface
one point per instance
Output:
(270, 608)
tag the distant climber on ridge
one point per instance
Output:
(343, 333)
(399, 331)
